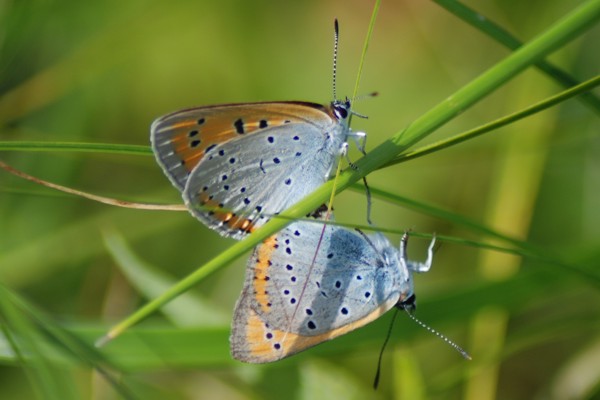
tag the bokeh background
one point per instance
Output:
(102, 71)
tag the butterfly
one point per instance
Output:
(290, 303)
(237, 164)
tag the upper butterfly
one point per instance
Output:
(238, 164)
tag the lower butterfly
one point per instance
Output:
(293, 299)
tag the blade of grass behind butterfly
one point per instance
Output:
(126, 149)
(45, 380)
(580, 89)
(52, 337)
(46, 346)
(524, 249)
(502, 36)
(566, 29)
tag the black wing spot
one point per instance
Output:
(194, 143)
(311, 325)
(276, 160)
(192, 133)
(263, 124)
(239, 126)
(288, 181)
(270, 139)
(201, 121)
(344, 311)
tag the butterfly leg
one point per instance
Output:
(416, 265)
(360, 139)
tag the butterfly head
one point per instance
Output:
(409, 304)
(341, 109)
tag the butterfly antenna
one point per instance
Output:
(387, 339)
(456, 347)
(336, 35)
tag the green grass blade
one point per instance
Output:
(127, 149)
(502, 36)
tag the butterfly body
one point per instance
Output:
(290, 303)
(237, 164)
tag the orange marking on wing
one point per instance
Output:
(261, 274)
(232, 220)
(261, 348)
(182, 124)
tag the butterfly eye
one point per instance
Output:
(341, 110)
(409, 304)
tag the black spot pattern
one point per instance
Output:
(344, 311)
(263, 124)
(311, 325)
(367, 294)
(232, 160)
(239, 126)
(288, 181)
(276, 160)
(201, 121)
(192, 133)
(194, 143)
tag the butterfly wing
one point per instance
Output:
(234, 163)
(287, 306)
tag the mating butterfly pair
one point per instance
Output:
(236, 165)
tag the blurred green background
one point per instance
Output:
(102, 71)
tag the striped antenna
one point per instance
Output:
(456, 347)
(336, 34)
